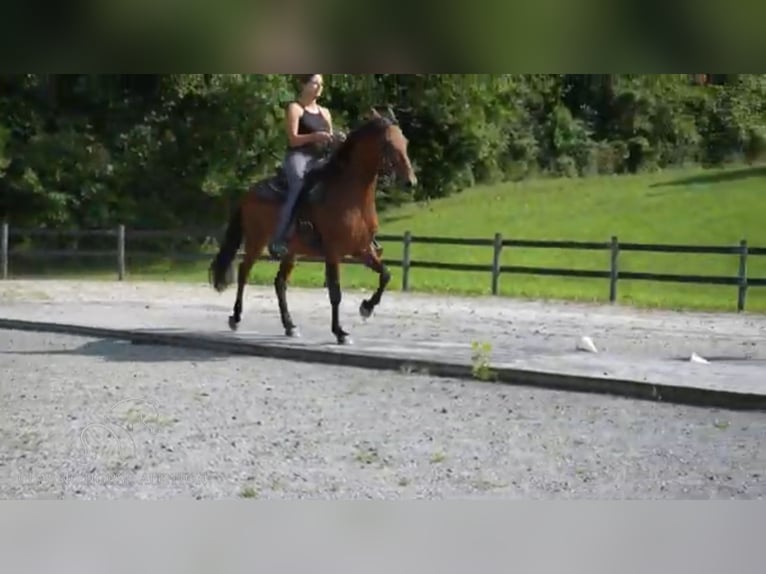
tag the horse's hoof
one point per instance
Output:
(365, 310)
(233, 323)
(293, 333)
(345, 339)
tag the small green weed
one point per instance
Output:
(438, 457)
(249, 492)
(480, 361)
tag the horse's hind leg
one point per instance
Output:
(373, 262)
(244, 272)
(280, 286)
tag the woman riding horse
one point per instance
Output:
(309, 132)
(344, 217)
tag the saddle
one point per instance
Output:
(274, 188)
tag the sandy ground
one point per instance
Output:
(89, 418)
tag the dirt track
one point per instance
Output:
(194, 424)
(509, 323)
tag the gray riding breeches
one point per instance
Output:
(295, 164)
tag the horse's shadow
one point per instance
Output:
(121, 351)
(149, 351)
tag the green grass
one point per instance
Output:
(692, 206)
(686, 207)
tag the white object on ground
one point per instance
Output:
(695, 358)
(586, 344)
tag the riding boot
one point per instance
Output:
(278, 246)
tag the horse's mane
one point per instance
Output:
(339, 159)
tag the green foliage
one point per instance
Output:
(480, 361)
(176, 150)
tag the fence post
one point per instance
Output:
(498, 247)
(614, 270)
(4, 250)
(120, 252)
(406, 261)
(742, 291)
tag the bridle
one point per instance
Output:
(389, 159)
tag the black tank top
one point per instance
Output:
(309, 123)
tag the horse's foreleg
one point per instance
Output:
(242, 275)
(280, 286)
(332, 276)
(372, 261)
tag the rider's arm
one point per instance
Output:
(292, 116)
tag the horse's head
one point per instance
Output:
(376, 146)
(394, 149)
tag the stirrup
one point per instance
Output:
(377, 247)
(278, 249)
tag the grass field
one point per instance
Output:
(691, 206)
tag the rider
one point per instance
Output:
(309, 130)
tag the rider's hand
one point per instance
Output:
(323, 137)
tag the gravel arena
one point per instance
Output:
(87, 418)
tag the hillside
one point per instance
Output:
(683, 206)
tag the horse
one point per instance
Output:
(334, 218)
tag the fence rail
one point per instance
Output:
(120, 235)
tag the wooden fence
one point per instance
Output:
(495, 270)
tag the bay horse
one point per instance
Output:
(334, 218)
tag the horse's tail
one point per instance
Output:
(219, 272)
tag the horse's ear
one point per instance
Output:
(391, 115)
(374, 113)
